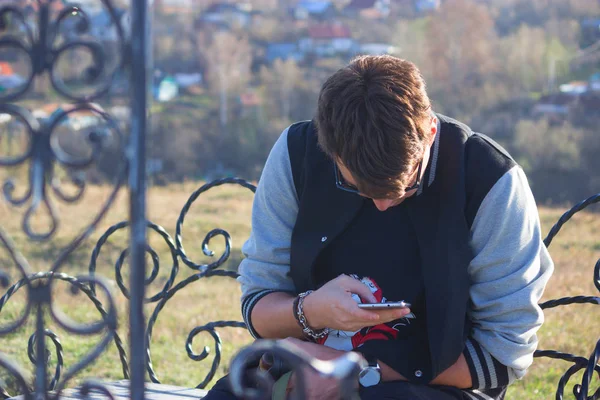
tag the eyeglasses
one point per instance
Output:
(341, 184)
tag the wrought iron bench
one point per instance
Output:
(344, 369)
(41, 49)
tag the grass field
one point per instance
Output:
(572, 329)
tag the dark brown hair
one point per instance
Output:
(370, 117)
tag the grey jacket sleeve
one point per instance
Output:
(508, 275)
(266, 264)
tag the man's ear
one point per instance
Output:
(433, 129)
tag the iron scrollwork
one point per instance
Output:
(44, 50)
(205, 270)
(43, 47)
(258, 385)
(44, 152)
(580, 391)
(170, 289)
(39, 288)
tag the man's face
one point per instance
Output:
(417, 174)
(381, 204)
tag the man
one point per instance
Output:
(380, 194)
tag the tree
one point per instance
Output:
(526, 66)
(267, 28)
(376, 32)
(281, 82)
(461, 52)
(229, 60)
(175, 43)
(410, 37)
(552, 158)
(534, 58)
(584, 8)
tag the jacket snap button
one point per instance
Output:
(418, 373)
(324, 239)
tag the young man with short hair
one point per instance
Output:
(380, 198)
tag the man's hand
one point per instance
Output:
(332, 306)
(316, 387)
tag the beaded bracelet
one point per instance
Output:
(301, 318)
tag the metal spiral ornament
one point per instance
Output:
(155, 259)
(344, 369)
(211, 329)
(45, 152)
(44, 49)
(567, 216)
(18, 374)
(42, 42)
(211, 234)
(59, 355)
(108, 316)
(205, 271)
(92, 389)
(590, 365)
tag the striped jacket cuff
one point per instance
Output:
(248, 304)
(486, 371)
(487, 394)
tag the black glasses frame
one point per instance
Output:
(341, 184)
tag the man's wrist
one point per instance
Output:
(308, 330)
(310, 314)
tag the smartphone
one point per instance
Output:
(383, 306)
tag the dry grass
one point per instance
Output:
(573, 329)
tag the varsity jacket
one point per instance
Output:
(499, 273)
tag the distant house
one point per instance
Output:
(89, 6)
(590, 31)
(250, 99)
(577, 87)
(422, 6)
(314, 9)
(327, 40)
(590, 102)
(9, 79)
(33, 5)
(165, 87)
(594, 82)
(10, 83)
(376, 49)
(77, 120)
(232, 14)
(6, 68)
(201, 24)
(368, 8)
(555, 106)
(30, 10)
(250, 105)
(176, 6)
(103, 28)
(283, 51)
(167, 90)
(185, 80)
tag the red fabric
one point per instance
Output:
(344, 340)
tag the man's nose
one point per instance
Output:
(383, 205)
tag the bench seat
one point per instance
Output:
(120, 390)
